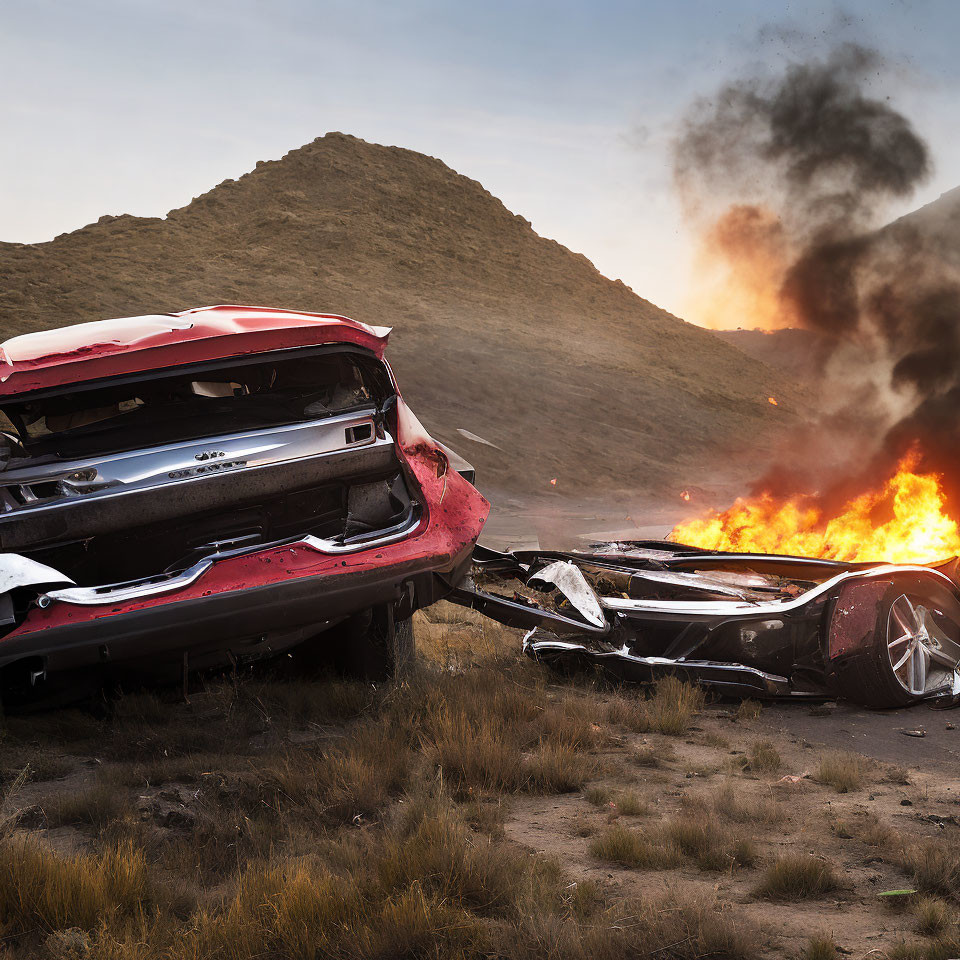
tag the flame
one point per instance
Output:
(913, 527)
(684, 494)
(773, 400)
(740, 267)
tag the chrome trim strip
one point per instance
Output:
(145, 469)
(624, 654)
(729, 608)
(154, 586)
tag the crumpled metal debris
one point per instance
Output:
(748, 624)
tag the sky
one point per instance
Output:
(565, 111)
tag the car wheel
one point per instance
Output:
(912, 652)
(371, 645)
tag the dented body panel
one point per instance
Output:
(111, 348)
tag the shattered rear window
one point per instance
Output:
(175, 405)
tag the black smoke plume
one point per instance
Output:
(813, 150)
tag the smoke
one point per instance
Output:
(809, 144)
(788, 179)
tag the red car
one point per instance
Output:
(214, 486)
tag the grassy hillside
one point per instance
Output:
(497, 330)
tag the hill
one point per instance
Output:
(798, 353)
(498, 331)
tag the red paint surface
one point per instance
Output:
(854, 620)
(110, 348)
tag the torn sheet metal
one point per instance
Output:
(17, 571)
(570, 581)
(748, 624)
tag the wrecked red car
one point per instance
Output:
(211, 487)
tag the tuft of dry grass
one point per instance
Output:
(873, 833)
(716, 740)
(709, 844)
(630, 805)
(762, 758)
(556, 768)
(49, 891)
(842, 770)
(898, 775)
(934, 916)
(597, 796)
(736, 807)
(94, 806)
(669, 710)
(933, 865)
(797, 877)
(655, 755)
(748, 710)
(821, 947)
(631, 848)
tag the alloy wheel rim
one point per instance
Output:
(912, 643)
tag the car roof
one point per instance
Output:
(107, 348)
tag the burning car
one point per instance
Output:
(215, 486)
(759, 625)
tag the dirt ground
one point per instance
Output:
(811, 821)
(887, 735)
(553, 818)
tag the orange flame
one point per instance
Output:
(742, 260)
(916, 529)
(773, 400)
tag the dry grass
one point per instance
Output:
(736, 806)
(748, 710)
(843, 771)
(247, 843)
(597, 796)
(934, 866)
(871, 831)
(934, 916)
(556, 768)
(762, 758)
(288, 817)
(898, 775)
(94, 806)
(633, 848)
(716, 740)
(670, 709)
(709, 845)
(630, 805)
(797, 877)
(49, 891)
(821, 947)
(655, 755)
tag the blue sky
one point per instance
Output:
(563, 110)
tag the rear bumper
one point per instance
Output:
(215, 627)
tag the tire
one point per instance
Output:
(372, 646)
(891, 665)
